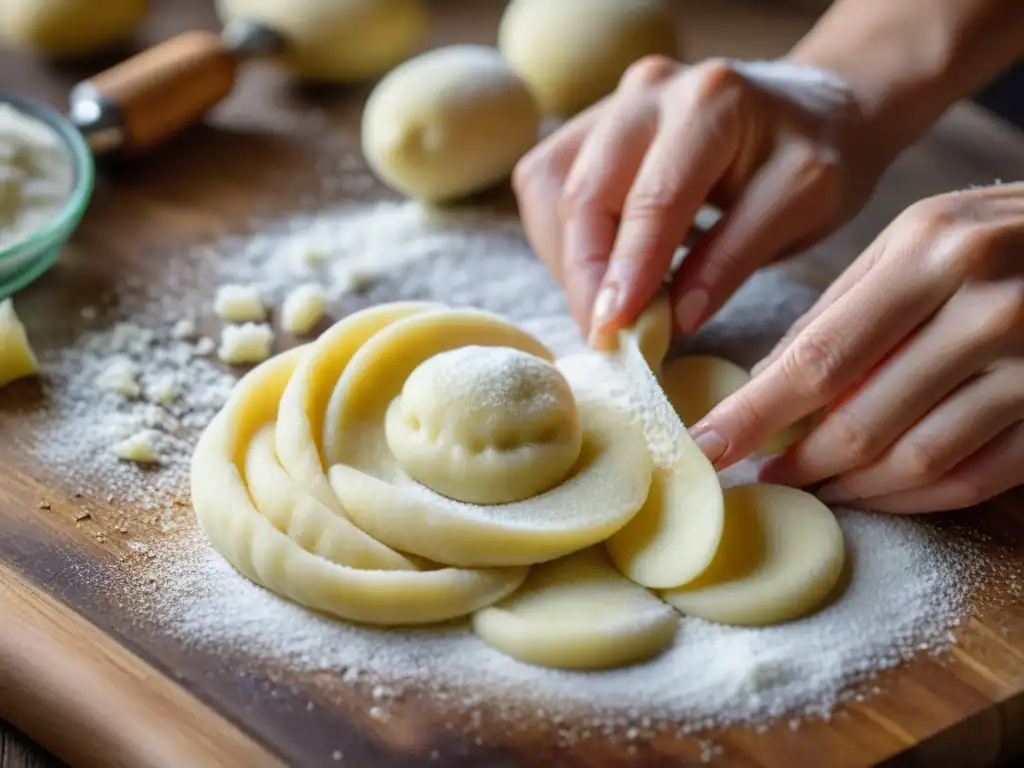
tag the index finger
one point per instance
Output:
(827, 359)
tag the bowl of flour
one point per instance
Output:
(46, 181)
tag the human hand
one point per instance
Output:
(608, 198)
(916, 353)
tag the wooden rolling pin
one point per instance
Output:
(138, 104)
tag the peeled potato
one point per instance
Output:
(68, 28)
(339, 40)
(573, 52)
(448, 123)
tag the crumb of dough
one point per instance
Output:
(244, 344)
(185, 329)
(139, 448)
(239, 304)
(303, 309)
(121, 376)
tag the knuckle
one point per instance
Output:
(714, 78)
(1002, 320)
(856, 442)
(811, 365)
(647, 71)
(957, 237)
(655, 204)
(919, 462)
(575, 199)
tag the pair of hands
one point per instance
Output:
(915, 353)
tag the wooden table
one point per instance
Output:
(961, 151)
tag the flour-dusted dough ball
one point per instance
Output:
(780, 557)
(16, 357)
(68, 28)
(448, 123)
(340, 40)
(573, 52)
(485, 425)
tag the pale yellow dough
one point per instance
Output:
(573, 52)
(17, 360)
(674, 536)
(448, 123)
(341, 40)
(697, 383)
(68, 28)
(578, 613)
(781, 556)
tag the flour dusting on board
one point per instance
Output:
(908, 586)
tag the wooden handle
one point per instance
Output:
(165, 89)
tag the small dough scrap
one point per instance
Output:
(140, 448)
(17, 360)
(68, 28)
(697, 383)
(674, 536)
(448, 123)
(573, 52)
(485, 425)
(163, 389)
(120, 375)
(185, 329)
(781, 557)
(578, 613)
(303, 308)
(245, 344)
(239, 304)
(337, 40)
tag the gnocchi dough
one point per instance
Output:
(781, 556)
(448, 123)
(578, 613)
(418, 463)
(17, 360)
(68, 28)
(573, 52)
(339, 40)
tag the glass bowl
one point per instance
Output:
(26, 259)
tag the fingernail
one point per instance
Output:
(710, 444)
(691, 308)
(835, 493)
(605, 306)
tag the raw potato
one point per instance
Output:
(340, 40)
(68, 28)
(448, 123)
(673, 537)
(17, 360)
(781, 556)
(573, 52)
(578, 613)
(485, 425)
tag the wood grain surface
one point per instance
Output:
(94, 686)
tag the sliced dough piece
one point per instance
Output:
(17, 360)
(267, 556)
(673, 537)
(578, 613)
(300, 420)
(697, 383)
(781, 556)
(605, 489)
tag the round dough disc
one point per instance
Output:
(780, 557)
(697, 383)
(578, 613)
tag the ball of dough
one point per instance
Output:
(340, 40)
(68, 28)
(449, 123)
(485, 425)
(573, 52)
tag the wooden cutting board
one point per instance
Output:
(84, 679)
